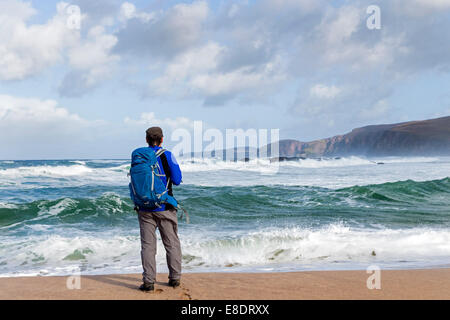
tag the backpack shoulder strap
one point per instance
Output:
(160, 152)
(167, 172)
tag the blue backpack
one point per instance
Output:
(147, 190)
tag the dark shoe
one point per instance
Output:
(147, 287)
(174, 283)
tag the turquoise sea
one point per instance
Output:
(344, 213)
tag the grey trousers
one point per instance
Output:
(167, 223)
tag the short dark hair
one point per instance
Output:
(154, 136)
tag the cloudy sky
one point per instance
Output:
(311, 68)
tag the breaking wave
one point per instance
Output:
(332, 246)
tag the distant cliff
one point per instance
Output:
(414, 138)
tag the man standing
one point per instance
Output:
(164, 218)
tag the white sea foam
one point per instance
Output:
(333, 173)
(298, 248)
(329, 173)
(4, 205)
(332, 244)
(70, 175)
(56, 254)
(258, 165)
(79, 162)
(57, 208)
(211, 164)
(45, 171)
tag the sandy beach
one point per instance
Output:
(395, 284)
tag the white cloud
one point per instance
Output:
(186, 65)
(295, 5)
(150, 119)
(94, 52)
(16, 10)
(38, 122)
(379, 109)
(27, 50)
(432, 4)
(187, 18)
(91, 62)
(128, 11)
(417, 9)
(234, 9)
(360, 101)
(195, 73)
(32, 126)
(25, 112)
(239, 80)
(322, 91)
(340, 24)
(342, 38)
(164, 33)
